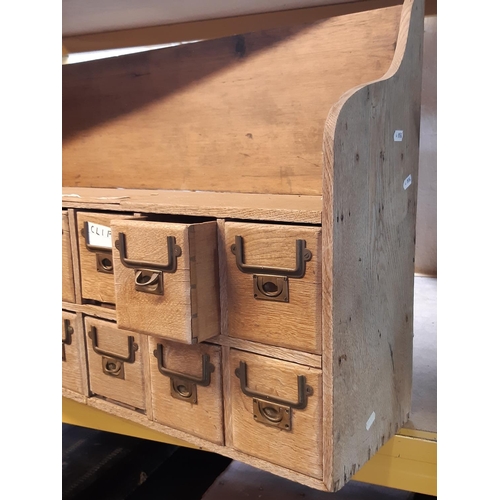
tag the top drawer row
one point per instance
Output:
(164, 278)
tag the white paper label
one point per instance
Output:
(370, 421)
(99, 236)
(407, 182)
(398, 135)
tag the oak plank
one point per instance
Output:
(224, 106)
(369, 217)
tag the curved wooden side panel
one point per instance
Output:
(371, 146)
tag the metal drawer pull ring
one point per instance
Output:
(304, 390)
(132, 347)
(174, 251)
(303, 255)
(142, 278)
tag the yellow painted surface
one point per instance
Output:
(407, 462)
(85, 416)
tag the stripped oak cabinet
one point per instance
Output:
(238, 239)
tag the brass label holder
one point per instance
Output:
(182, 386)
(271, 410)
(271, 283)
(103, 255)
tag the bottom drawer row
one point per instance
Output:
(273, 407)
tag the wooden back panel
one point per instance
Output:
(242, 114)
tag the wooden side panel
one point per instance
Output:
(369, 231)
(68, 282)
(203, 418)
(295, 324)
(299, 449)
(129, 389)
(249, 110)
(205, 303)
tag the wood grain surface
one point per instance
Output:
(68, 282)
(299, 449)
(74, 369)
(173, 315)
(131, 389)
(95, 285)
(287, 208)
(368, 256)
(203, 419)
(221, 113)
(294, 325)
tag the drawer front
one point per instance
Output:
(74, 374)
(274, 284)
(276, 411)
(68, 282)
(115, 360)
(186, 388)
(166, 279)
(96, 261)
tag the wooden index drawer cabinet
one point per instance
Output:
(238, 240)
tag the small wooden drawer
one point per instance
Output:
(96, 261)
(74, 366)
(116, 363)
(68, 281)
(186, 387)
(274, 284)
(276, 411)
(166, 279)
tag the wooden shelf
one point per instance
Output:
(270, 207)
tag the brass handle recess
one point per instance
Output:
(206, 368)
(132, 347)
(174, 251)
(302, 256)
(304, 390)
